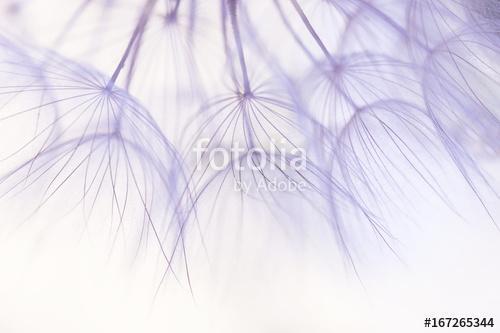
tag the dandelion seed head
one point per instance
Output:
(383, 98)
(99, 144)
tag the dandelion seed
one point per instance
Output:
(100, 145)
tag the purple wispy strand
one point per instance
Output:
(382, 97)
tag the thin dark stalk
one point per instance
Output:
(176, 8)
(239, 45)
(311, 30)
(138, 31)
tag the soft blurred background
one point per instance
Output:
(57, 279)
(257, 272)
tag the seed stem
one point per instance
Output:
(138, 31)
(239, 45)
(311, 30)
